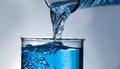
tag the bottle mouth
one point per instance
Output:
(48, 3)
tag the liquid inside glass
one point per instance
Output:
(52, 55)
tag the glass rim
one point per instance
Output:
(48, 38)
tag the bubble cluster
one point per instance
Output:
(33, 57)
(33, 60)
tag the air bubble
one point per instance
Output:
(44, 62)
(40, 68)
(42, 58)
(41, 62)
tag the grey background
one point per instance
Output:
(30, 18)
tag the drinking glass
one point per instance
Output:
(45, 53)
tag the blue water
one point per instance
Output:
(51, 55)
(59, 13)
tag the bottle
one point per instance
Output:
(96, 3)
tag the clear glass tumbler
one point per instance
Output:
(45, 53)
